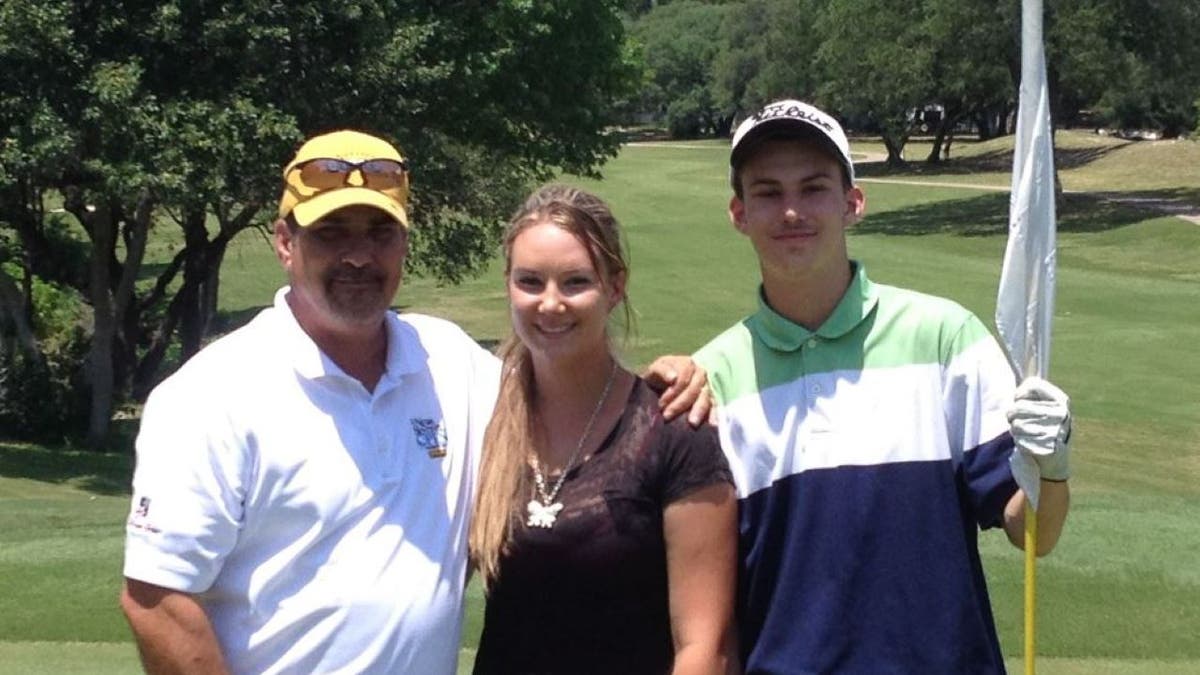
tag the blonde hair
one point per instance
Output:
(504, 481)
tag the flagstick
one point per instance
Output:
(1025, 302)
(1030, 587)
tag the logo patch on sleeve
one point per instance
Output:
(140, 518)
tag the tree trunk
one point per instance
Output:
(195, 303)
(951, 114)
(192, 322)
(128, 311)
(37, 213)
(15, 308)
(895, 151)
(212, 283)
(100, 358)
(114, 308)
(724, 126)
(145, 376)
(983, 125)
(935, 153)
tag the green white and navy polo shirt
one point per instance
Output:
(867, 454)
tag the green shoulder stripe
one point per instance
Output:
(904, 328)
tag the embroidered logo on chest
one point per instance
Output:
(431, 435)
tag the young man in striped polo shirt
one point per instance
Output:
(870, 431)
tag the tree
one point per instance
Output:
(876, 59)
(768, 51)
(1131, 61)
(972, 42)
(146, 115)
(679, 42)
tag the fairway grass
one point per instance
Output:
(1120, 595)
(68, 658)
(107, 658)
(97, 658)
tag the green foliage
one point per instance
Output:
(150, 116)
(43, 399)
(875, 62)
(59, 315)
(879, 79)
(1133, 61)
(688, 115)
(973, 46)
(768, 51)
(679, 43)
(43, 395)
(947, 52)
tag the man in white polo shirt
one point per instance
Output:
(870, 431)
(303, 484)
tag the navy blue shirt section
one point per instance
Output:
(872, 569)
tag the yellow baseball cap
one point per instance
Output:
(352, 184)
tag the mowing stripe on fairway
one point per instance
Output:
(100, 658)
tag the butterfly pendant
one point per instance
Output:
(542, 515)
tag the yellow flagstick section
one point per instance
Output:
(1030, 588)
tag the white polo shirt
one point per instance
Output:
(323, 527)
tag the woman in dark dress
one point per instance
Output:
(606, 537)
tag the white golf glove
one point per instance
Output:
(1040, 422)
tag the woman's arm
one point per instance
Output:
(701, 538)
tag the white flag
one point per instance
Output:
(1025, 303)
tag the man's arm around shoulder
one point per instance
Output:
(172, 630)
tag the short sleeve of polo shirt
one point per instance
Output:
(977, 390)
(188, 488)
(692, 459)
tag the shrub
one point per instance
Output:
(44, 397)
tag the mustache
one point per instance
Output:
(355, 275)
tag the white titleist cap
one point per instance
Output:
(789, 119)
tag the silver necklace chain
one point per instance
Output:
(543, 514)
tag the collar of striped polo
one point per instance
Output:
(782, 334)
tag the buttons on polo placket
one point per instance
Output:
(810, 344)
(389, 463)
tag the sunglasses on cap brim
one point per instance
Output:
(325, 173)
